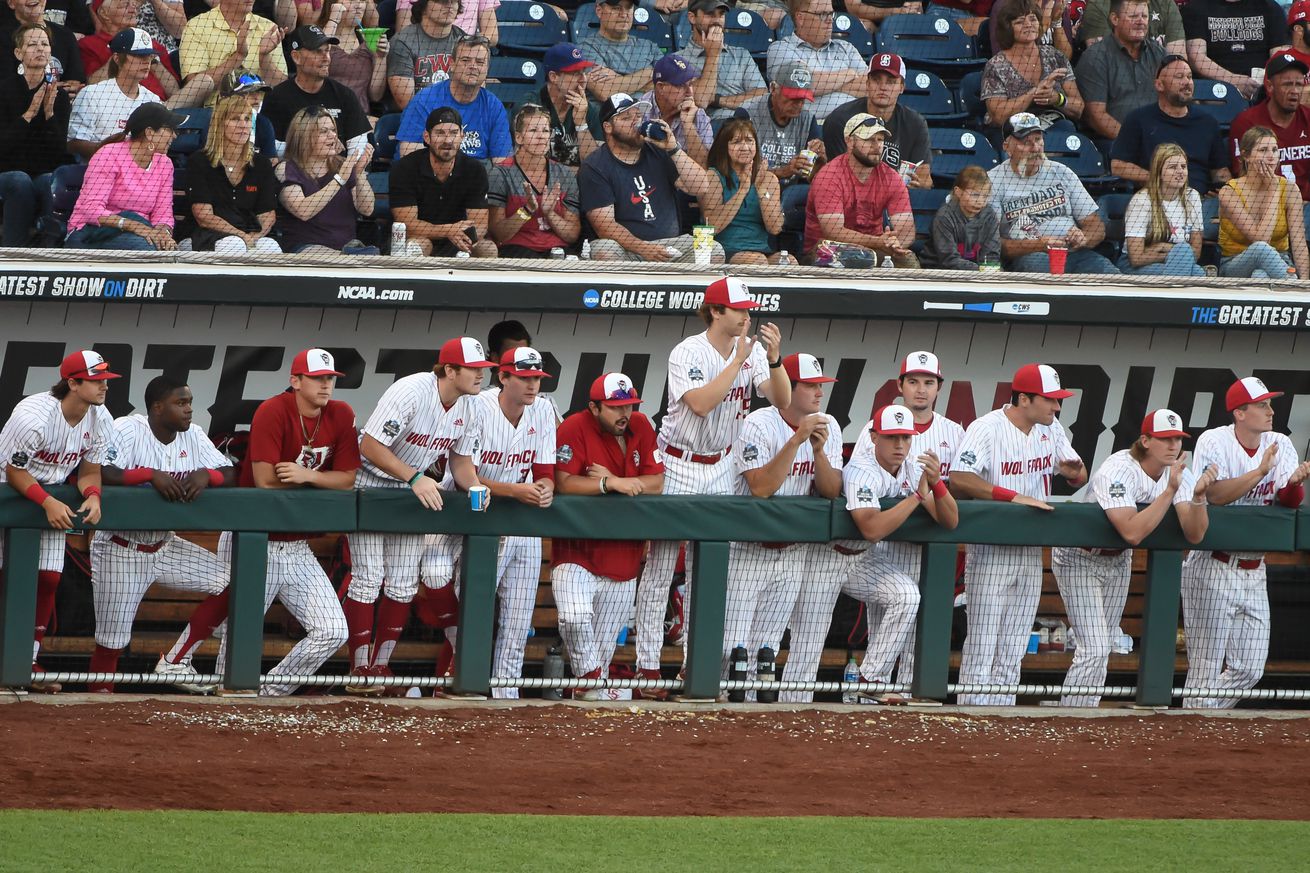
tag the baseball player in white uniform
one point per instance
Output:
(1010, 455)
(1225, 602)
(788, 452)
(416, 422)
(1094, 582)
(47, 437)
(164, 450)
(709, 386)
(511, 450)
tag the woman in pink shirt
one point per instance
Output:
(126, 200)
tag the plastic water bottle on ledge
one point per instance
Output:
(586, 250)
(766, 670)
(852, 674)
(552, 668)
(737, 666)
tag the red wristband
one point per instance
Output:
(215, 478)
(91, 491)
(1005, 495)
(939, 488)
(138, 476)
(36, 493)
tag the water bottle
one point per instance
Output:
(887, 263)
(586, 250)
(784, 258)
(852, 674)
(398, 238)
(766, 671)
(737, 665)
(557, 254)
(552, 668)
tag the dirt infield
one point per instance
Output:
(352, 756)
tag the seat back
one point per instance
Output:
(925, 38)
(647, 23)
(928, 95)
(515, 70)
(529, 27)
(954, 148)
(191, 134)
(741, 28)
(384, 138)
(1075, 151)
(924, 203)
(1220, 100)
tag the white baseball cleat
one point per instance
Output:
(182, 670)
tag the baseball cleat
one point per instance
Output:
(360, 688)
(182, 670)
(650, 693)
(40, 687)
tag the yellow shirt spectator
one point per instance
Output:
(209, 42)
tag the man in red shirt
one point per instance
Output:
(1283, 113)
(299, 438)
(848, 197)
(117, 18)
(607, 448)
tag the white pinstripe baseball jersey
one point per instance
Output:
(694, 363)
(998, 452)
(135, 445)
(1219, 446)
(501, 451)
(411, 420)
(942, 438)
(866, 482)
(36, 438)
(1121, 483)
(763, 434)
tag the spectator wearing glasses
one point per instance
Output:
(1261, 226)
(126, 201)
(729, 76)
(574, 120)
(1231, 40)
(323, 194)
(673, 100)
(851, 194)
(1025, 76)
(485, 123)
(1164, 225)
(907, 131)
(101, 110)
(353, 63)
(114, 17)
(65, 59)
(1117, 74)
(1171, 119)
(251, 88)
(33, 130)
(745, 206)
(627, 189)
(231, 190)
(623, 62)
(421, 54)
(1042, 205)
(440, 193)
(229, 36)
(1285, 113)
(532, 201)
(837, 68)
(310, 50)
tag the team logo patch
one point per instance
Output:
(1173, 420)
(563, 454)
(695, 374)
(656, 457)
(899, 416)
(1117, 490)
(636, 458)
(968, 459)
(111, 455)
(391, 429)
(864, 494)
(923, 358)
(19, 460)
(750, 453)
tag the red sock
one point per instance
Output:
(211, 612)
(392, 617)
(47, 582)
(103, 660)
(445, 659)
(359, 618)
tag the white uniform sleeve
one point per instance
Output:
(686, 372)
(209, 456)
(861, 485)
(545, 447)
(1110, 490)
(976, 450)
(1284, 462)
(20, 441)
(760, 371)
(103, 439)
(1206, 452)
(756, 447)
(122, 454)
(1063, 448)
(471, 438)
(392, 416)
(1186, 487)
(832, 448)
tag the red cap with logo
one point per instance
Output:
(894, 421)
(1248, 390)
(614, 389)
(314, 362)
(85, 364)
(464, 351)
(1163, 423)
(522, 361)
(1299, 12)
(887, 63)
(801, 367)
(730, 292)
(1039, 379)
(921, 362)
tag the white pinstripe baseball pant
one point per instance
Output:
(891, 598)
(387, 562)
(811, 617)
(592, 611)
(51, 559)
(763, 584)
(1226, 619)
(1004, 584)
(1094, 589)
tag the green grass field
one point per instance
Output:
(199, 841)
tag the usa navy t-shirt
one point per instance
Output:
(642, 194)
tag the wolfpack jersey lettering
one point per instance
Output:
(866, 482)
(942, 438)
(764, 433)
(694, 363)
(502, 452)
(38, 440)
(1219, 446)
(997, 451)
(411, 420)
(135, 445)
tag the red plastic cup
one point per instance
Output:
(1057, 258)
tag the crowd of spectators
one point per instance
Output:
(805, 152)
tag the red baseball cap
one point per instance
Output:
(1248, 390)
(887, 63)
(894, 421)
(614, 389)
(522, 361)
(1039, 379)
(730, 292)
(86, 364)
(464, 351)
(1298, 13)
(1163, 423)
(314, 362)
(921, 362)
(801, 367)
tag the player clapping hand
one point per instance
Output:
(1300, 473)
(1075, 472)
(1203, 483)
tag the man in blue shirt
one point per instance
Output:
(486, 126)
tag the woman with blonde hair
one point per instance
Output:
(747, 206)
(1261, 228)
(532, 200)
(231, 190)
(323, 194)
(1162, 228)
